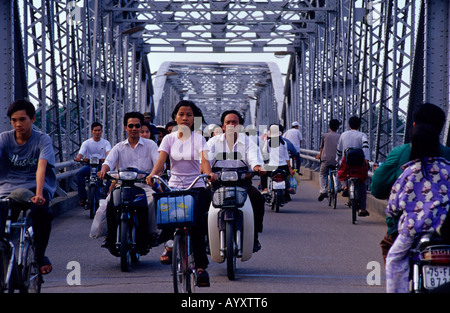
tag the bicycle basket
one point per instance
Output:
(176, 208)
(229, 196)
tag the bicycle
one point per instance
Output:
(332, 186)
(354, 196)
(21, 271)
(175, 209)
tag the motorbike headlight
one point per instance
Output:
(94, 161)
(229, 176)
(114, 174)
(128, 175)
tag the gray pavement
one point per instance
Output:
(307, 247)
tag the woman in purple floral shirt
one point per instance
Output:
(420, 196)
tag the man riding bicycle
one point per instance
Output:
(28, 159)
(327, 155)
(354, 140)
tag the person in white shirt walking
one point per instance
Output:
(295, 136)
(93, 147)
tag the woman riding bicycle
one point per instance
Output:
(188, 152)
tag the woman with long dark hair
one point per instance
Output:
(420, 198)
(188, 155)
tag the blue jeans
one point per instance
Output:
(84, 172)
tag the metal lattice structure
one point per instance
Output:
(81, 61)
(216, 87)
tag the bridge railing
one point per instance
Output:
(65, 171)
(314, 163)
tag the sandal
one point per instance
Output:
(45, 266)
(166, 257)
(202, 278)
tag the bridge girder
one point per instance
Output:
(87, 60)
(216, 87)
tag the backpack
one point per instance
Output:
(354, 156)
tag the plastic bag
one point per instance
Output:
(297, 177)
(292, 184)
(99, 227)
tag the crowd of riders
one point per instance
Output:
(414, 178)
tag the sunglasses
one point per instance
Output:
(134, 125)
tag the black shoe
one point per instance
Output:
(203, 279)
(82, 202)
(363, 213)
(153, 241)
(345, 192)
(322, 196)
(256, 246)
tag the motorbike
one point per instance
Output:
(129, 204)
(277, 190)
(429, 263)
(230, 217)
(95, 185)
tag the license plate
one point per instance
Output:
(434, 276)
(278, 185)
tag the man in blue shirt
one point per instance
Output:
(28, 159)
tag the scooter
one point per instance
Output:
(277, 189)
(95, 185)
(429, 264)
(230, 217)
(128, 201)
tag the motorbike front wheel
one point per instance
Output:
(92, 202)
(276, 200)
(231, 248)
(126, 240)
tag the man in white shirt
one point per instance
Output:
(353, 138)
(295, 136)
(234, 141)
(139, 153)
(93, 147)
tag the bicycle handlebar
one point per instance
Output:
(162, 180)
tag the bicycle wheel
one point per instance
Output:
(330, 188)
(355, 201)
(231, 247)
(29, 270)
(180, 275)
(333, 193)
(5, 255)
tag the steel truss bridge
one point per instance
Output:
(88, 60)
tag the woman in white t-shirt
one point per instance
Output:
(187, 151)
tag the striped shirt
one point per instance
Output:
(353, 139)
